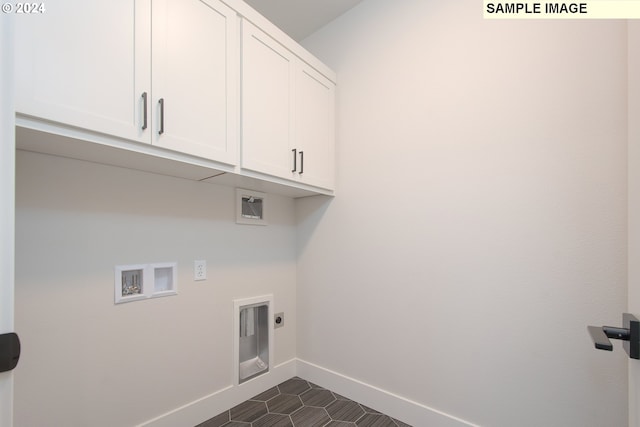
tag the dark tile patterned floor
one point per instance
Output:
(299, 403)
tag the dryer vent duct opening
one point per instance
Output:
(253, 338)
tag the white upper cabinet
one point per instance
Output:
(267, 104)
(194, 76)
(287, 113)
(315, 127)
(160, 72)
(176, 87)
(85, 64)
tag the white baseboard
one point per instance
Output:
(398, 407)
(395, 406)
(209, 406)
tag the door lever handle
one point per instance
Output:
(629, 333)
(9, 351)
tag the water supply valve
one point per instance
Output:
(629, 333)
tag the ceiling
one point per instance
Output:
(299, 18)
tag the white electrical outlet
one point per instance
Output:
(199, 270)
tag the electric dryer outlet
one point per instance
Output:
(278, 320)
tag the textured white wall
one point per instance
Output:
(480, 222)
(87, 361)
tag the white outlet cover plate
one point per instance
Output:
(199, 270)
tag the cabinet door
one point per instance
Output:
(85, 64)
(194, 46)
(267, 102)
(314, 130)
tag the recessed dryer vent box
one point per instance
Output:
(251, 207)
(253, 342)
(142, 281)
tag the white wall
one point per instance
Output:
(87, 361)
(7, 192)
(634, 207)
(480, 217)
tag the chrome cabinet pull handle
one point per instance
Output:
(301, 162)
(144, 110)
(295, 159)
(161, 102)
